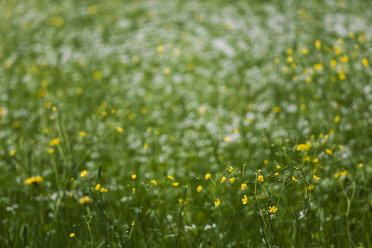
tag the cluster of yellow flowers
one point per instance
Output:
(32, 180)
(100, 188)
(304, 147)
(84, 200)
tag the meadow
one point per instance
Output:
(160, 123)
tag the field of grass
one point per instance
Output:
(170, 123)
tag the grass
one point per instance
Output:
(185, 123)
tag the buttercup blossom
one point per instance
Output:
(54, 142)
(245, 200)
(304, 147)
(83, 173)
(243, 186)
(84, 200)
(98, 186)
(260, 178)
(273, 209)
(32, 180)
(199, 188)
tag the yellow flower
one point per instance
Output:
(223, 179)
(16, 124)
(230, 169)
(82, 134)
(217, 202)
(175, 184)
(71, 235)
(344, 59)
(336, 175)
(227, 139)
(202, 110)
(315, 160)
(84, 200)
(276, 174)
(180, 201)
(12, 152)
(103, 190)
(278, 167)
(318, 67)
(304, 147)
(341, 76)
(145, 146)
(304, 51)
(328, 151)
(307, 159)
(365, 62)
(276, 110)
(343, 173)
(199, 188)
(154, 182)
(83, 173)
(294, 179)
(207, 176)
(159, 48)
(315, 177)
(166, 70)
(360, 165)
(232, 180)
(98, 186)
(170, 177)
(119, 129)
(133, 224)
(337, 50)
(243, 186)
(245, 200)
(97, 75)
(333, 63)
(273, 209)
(32, 180)
(341, 147)
(318, 44)
(92, 9)
(133, 176)
(337, 119)
(56, 21)
(51, 150)
(260, 178)
(54, 142)
(289, 51)
(310, 187)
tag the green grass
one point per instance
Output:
(170, 91)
